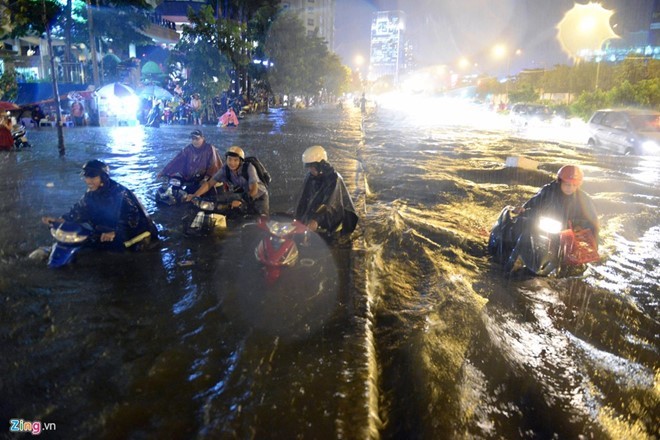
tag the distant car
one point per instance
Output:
(523, 115)
(626, 131)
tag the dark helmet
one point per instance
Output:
(571, 174)
(95, 168)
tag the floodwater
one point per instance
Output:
(410, 332)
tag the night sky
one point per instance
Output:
(443, 31)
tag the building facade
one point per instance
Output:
(387, 54)
(316, 15)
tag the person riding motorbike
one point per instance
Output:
(324, 204)
(254, 193)
(197, 162)
(110, 209)
(561, 200)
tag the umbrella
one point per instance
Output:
(8, 106)
(156, 92)
(111, 58)
(118, 90)
(151, 68)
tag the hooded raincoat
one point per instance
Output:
(325, 199)
(113, 207)
(194, 164)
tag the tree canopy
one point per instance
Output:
(219, 49)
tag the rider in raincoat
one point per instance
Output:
(325, 204)
(197, 162)
(561, 200)
(110, 209)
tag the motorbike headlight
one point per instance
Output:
(550, 225)
(175, 182)
(206, 205)
(70, 237)
(280, 229)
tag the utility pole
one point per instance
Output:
(56, 92)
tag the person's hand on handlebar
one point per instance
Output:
(51, 220)
(518, 210)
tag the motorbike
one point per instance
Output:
(174, 189)
(541, 245)
(278, 248)
(19, 133)
(70, 238)
(207, 216)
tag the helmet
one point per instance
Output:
(95, 168)
(236, 152)
(571, 174)
(315, 153)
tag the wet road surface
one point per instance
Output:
(411, 332)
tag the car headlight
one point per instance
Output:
(651, 147)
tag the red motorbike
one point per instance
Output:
(278, 248)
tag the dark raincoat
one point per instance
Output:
(327, 189)
(194, 164)
(576, 209)
(511, 238)
(113, 207)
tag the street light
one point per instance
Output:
(500, 51)
(463, 63)
(358, 60)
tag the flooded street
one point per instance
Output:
(411, 332)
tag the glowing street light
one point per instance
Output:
(585, 27)
(463, 63)
(500, 51)
(358, 60)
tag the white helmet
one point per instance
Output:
(315, 153)
(236, 152)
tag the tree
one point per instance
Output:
(199, 50)
(285, 48)
(337, 77)
(8, 85)
(119, 23)
(26, 17)
(633, 70)
(116, 22)
(525, 93)
(588, 102)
